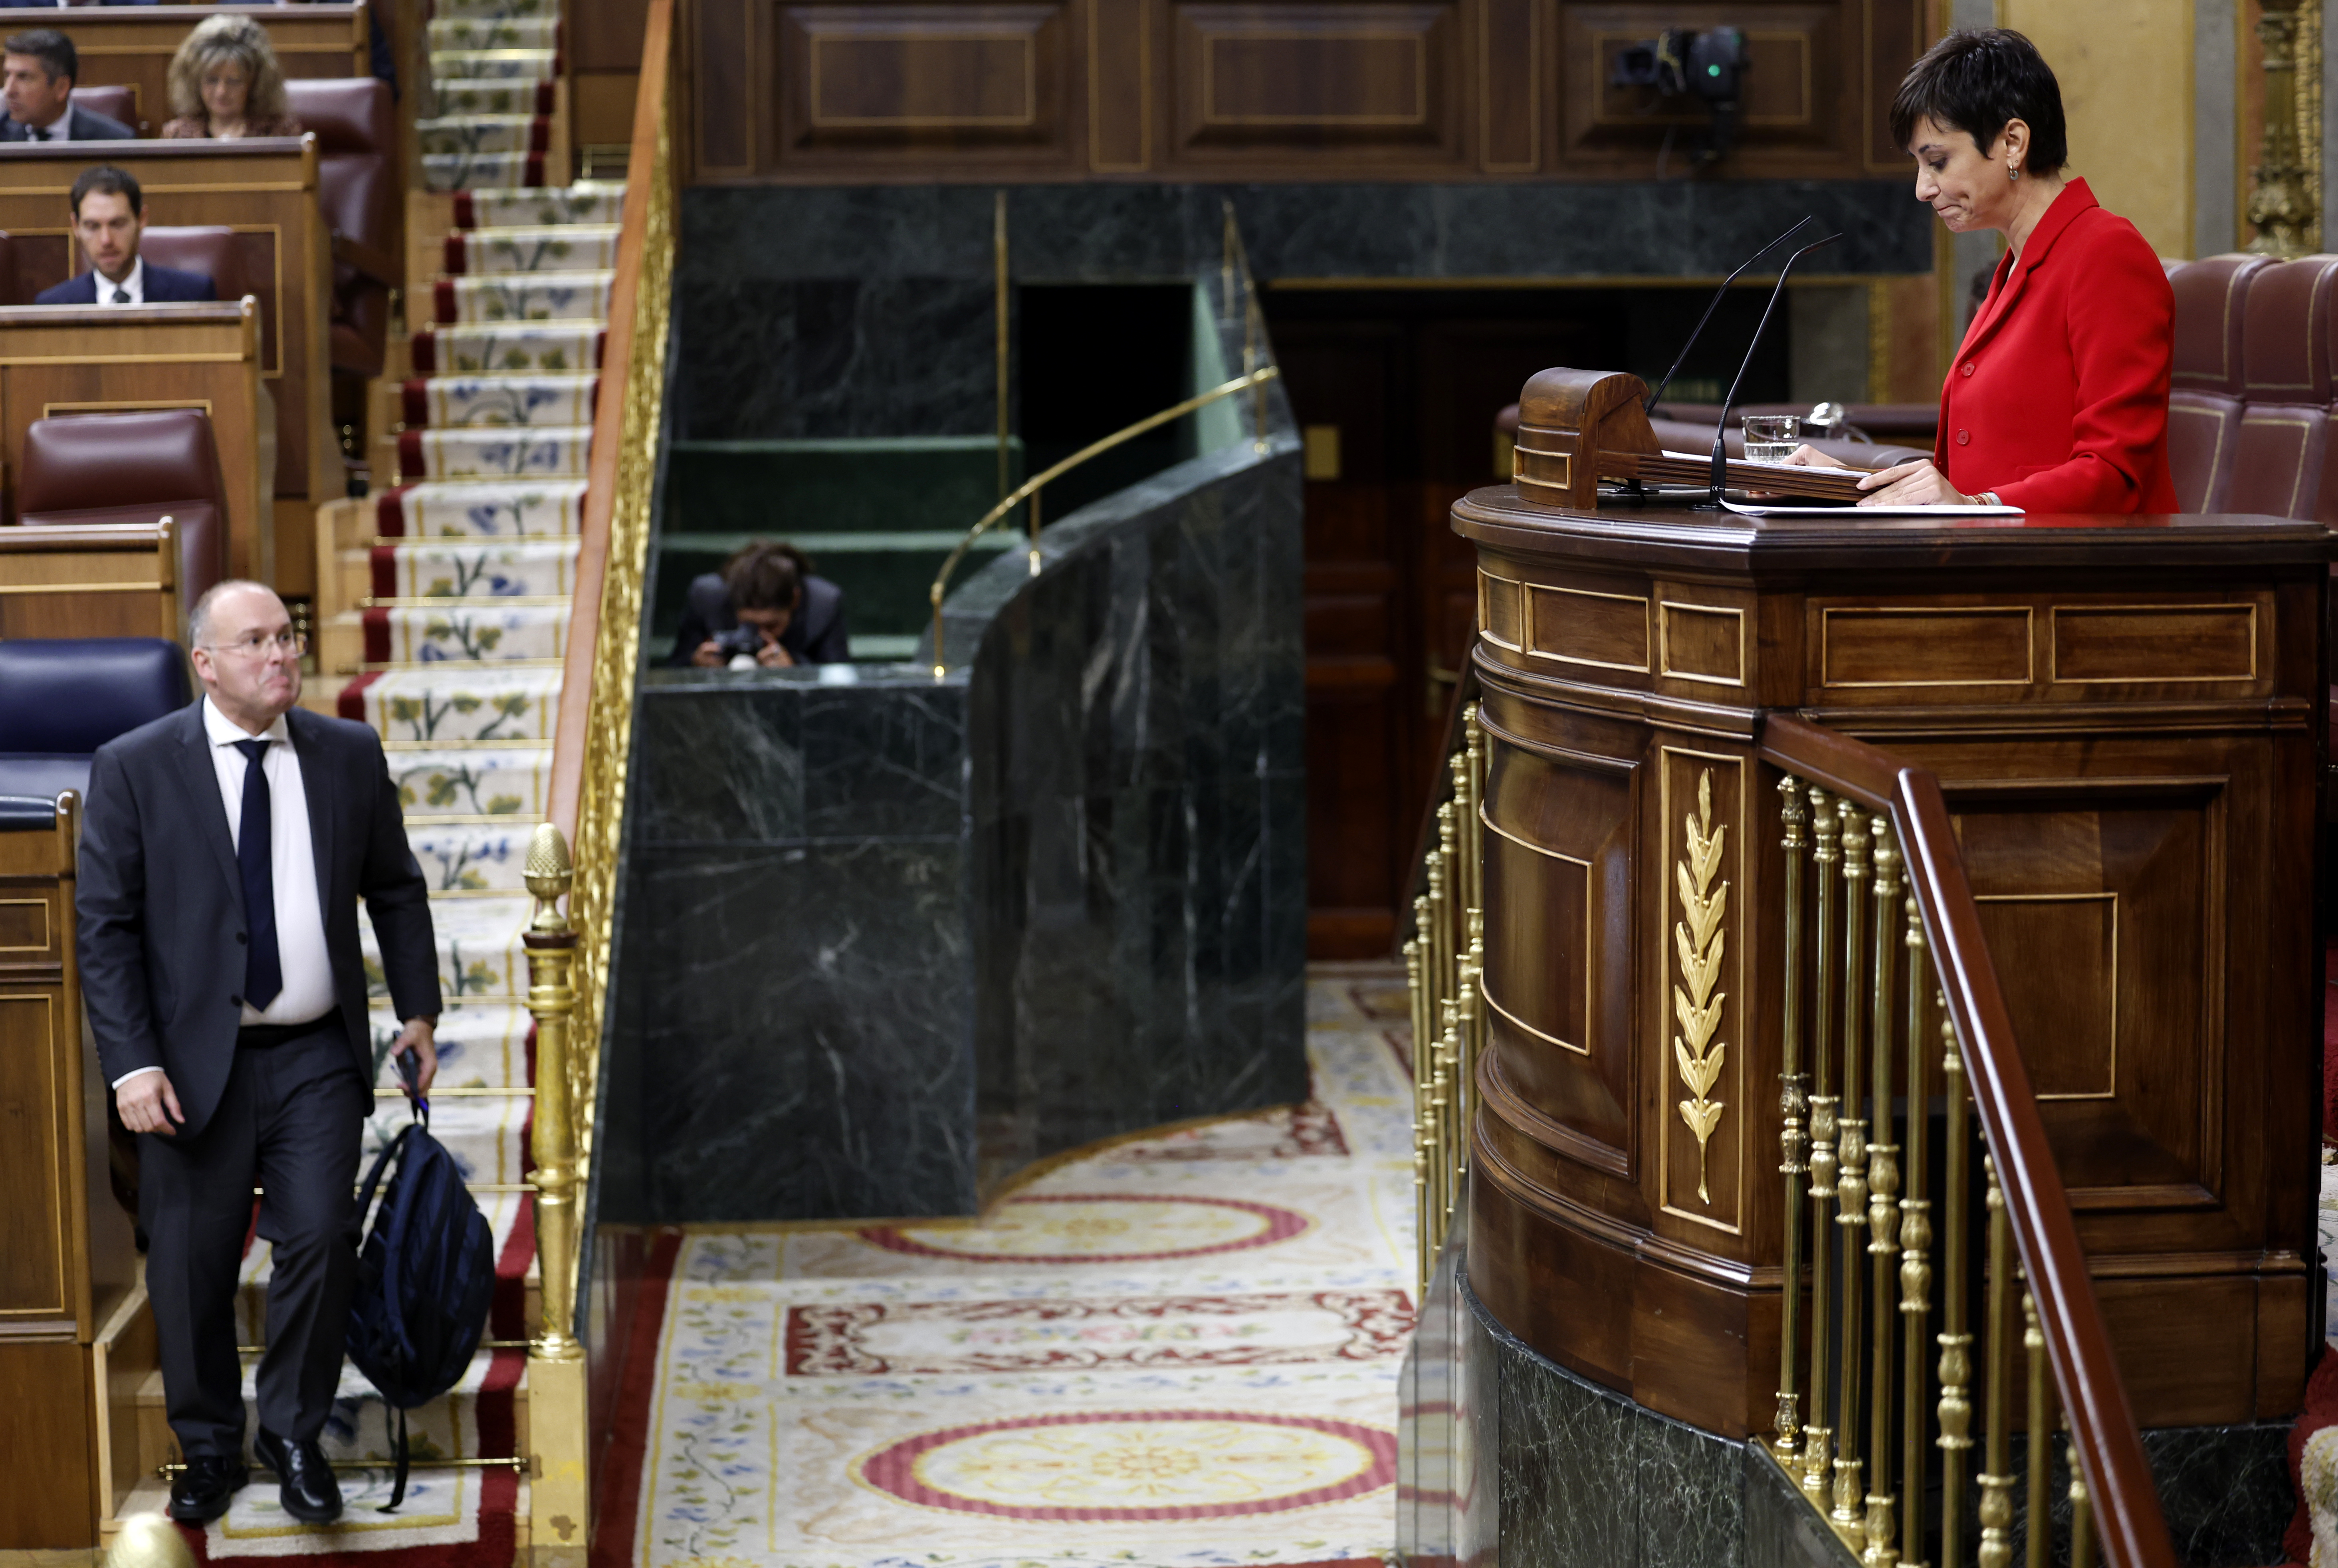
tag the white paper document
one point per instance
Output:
(1962, 509)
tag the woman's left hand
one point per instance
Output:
(1916, 484)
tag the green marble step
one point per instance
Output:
(885, 576)
(888, 484)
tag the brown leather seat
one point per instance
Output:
(2279, 445)
(212, 250)
(131, 468)
(2204, 408)
(357, 144)
(113, 102)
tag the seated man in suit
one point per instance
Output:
(108, 216)
(41, 68)
(765, 609)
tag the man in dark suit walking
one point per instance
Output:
(223, 853)
(109, 214)
(41, 68)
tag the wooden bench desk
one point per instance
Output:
(266, 190)
(60, 359)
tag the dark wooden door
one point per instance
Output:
(1396, 394)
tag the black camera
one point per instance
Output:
(739, 640)
(1708, 64)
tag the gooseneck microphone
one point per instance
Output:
(1715, 304)
(1721, 429)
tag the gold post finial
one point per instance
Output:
(549, 874)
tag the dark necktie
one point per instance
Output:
(122, 297)
(263, 967)
(40, 133)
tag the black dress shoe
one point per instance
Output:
(306, 1487)
(206, 1486)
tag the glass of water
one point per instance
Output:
(1772, 438)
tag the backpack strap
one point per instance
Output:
(373, 1176)
(397, 1491)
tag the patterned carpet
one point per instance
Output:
(1180, 1350)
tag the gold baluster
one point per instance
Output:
(1474, 751)
(1438, 955)
(1850, 1179)
(1418, 992)
(2039, 1531)
(1465, 1021)
(1817, 1464)
(1440, 1086)
(1997, 1481)
(1915, 1248)
(1472, 1042)
(1793, 1105)
(1448, 922)
(1882, 1202)
(2082, 1516)
(550, 942)
(1955, 1340)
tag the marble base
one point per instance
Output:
(1506, 1456)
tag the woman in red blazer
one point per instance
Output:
(2056, 401)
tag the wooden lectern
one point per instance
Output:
(2127, 715)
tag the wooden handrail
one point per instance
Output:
(609, 420)
(2102, 1423)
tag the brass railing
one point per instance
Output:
(1444, 961)
(1234, 283)
(1871, 872)
(568, 953)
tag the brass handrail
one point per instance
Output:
(2039, 1304)
(1029, 489)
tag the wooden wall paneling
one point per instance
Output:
(1120, 86)
(44, 1430)
(1510, 68)
(265, 189)
(1894, 33)
(873, 86)
(103, 580)
(133, 46)
(1374, 83)
(1796, 113)
(726, 68)
(56, 362)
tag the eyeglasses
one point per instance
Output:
(256, 645)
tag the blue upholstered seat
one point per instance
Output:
(63, 699)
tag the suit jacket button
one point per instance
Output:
(235, 1001)
(1968, 370)
(1964, 438)
(241, 939)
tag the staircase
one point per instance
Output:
(443, 617)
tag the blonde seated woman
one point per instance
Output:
(225, 84)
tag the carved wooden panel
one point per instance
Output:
(1793, 100)
(1288, 89)
(1267, 81)
(1558, 881)
(2106, 904)
(1587, 628)
(958, 77)
(34, 1282)
(2043, 646)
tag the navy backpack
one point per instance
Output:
(426, 1279)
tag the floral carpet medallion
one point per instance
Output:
(1090, 1228)
(1114, 1467)
(1177, 1351)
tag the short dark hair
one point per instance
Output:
(766, 576)
(52, 48)
(1977, 80)
(113, 181)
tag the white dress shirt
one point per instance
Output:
(308, 968)
(58, 130)
(136, 286)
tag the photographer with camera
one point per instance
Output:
(764, 609)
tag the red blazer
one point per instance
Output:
(2057, 399)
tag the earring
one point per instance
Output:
(2012, 173)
